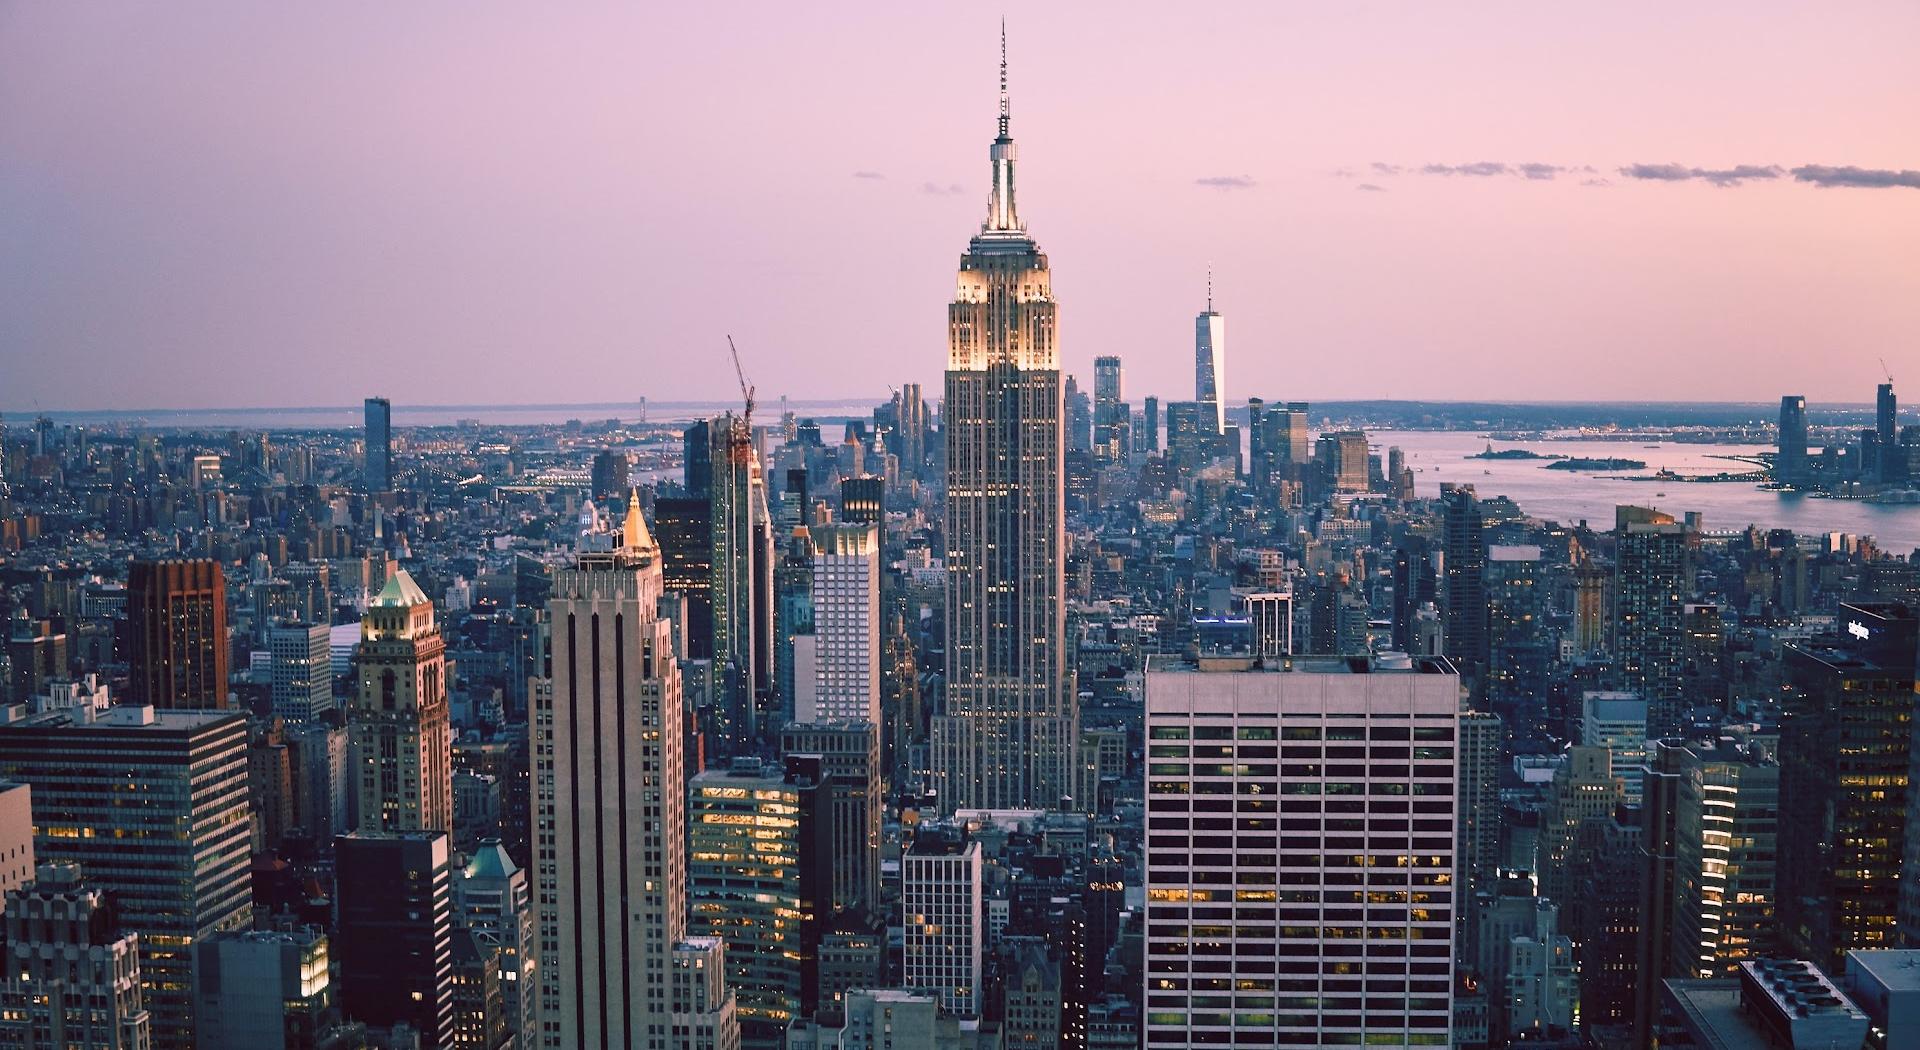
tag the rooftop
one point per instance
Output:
(1896, 970)
(1378, 663)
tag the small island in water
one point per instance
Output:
(1510, 453)
(1597, 464)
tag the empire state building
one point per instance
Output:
(1011, 726)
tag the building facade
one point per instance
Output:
(177, 632)
(1300, 852)
(400, 725)
(1011, 722)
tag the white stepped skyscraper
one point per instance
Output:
(1008, 736)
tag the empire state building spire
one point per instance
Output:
(1001, 214)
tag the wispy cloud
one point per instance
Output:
(1226, 182)
(1865, 178)
(1534, 171)
(1478, 169)
(1734, 176)
(868, 175)
(1370, 187)
(950, 189)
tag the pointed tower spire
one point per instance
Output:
(1001, 214)
(1006, 112)
(1209, 285)
(633, 531)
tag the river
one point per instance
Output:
(1571, 496)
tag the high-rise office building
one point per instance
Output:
(1893, 461)
(863, 500)
(72, 973)
(1516, 623)
(609, 775)
(612, 474)
(1464, 587)
(1112, 416)
(399, 722)
(264, 988)
(393, 901)
(379, 440)
(1300, 856)
(911, 415)
(846, 627)
(943, 905)
(1210, 362)
(741, 589)
(1478, 818)
(176, 864)
(1790, 459)
(850, 764)
(302, 667)
(1725, 840)
(1342, 455)
(1150, 422)
(1650, 592)
(685, 528)
(1618, 722)
(177, 627)
(36, 654)
(1011, 723)
(1844, 786)
(743, 887)
(493, 901)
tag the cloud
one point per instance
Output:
(1383, 168)
(1596, 181)
(1733, 176)
(1344, 173)
(1480, 169)
(949, 190)
(1226, 182)
(1371, 188)
(1540, 171)
(868, 175)
(1864, 178)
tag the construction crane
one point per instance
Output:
(746, 388)
(740, 440)
(1888, 371)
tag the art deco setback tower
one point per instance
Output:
(1008, 734)
(609, 776)
(400, 727)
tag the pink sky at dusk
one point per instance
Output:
(208, 205)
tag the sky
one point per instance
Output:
(241, 204)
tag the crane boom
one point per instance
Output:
(746, 388)
(1885, 369)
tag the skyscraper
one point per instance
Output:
(1465, 583)
(610, 779)
(846, 627)
(72, 974)
(302, 665)
(1893, 462)
(399, 723)
(1650, 591)
(743, 887)
(1011, 722)
(849, 754)
(741, 589)
(1300, 903)
(394, 904)
(177, 623)
(1790, 462)
(172, 856)
(1210, 362)
(1725, 829)
(1112, 417)
(379, 470)
(1845, 749)
(943, 904)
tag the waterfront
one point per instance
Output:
(1572, 496)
